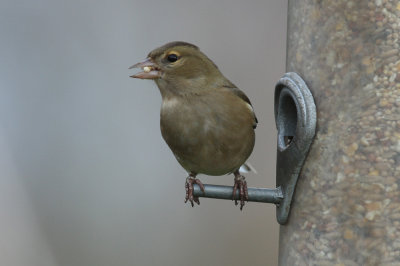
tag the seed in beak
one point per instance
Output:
(147, 69)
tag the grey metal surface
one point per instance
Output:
(295, 117)
(265, 195)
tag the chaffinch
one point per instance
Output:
(207, 122)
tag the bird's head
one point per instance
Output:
(177, 62)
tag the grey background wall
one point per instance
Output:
(85, 177)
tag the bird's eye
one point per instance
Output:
(172, 58)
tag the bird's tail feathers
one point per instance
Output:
(247, 168)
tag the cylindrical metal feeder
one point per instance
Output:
(346, 208)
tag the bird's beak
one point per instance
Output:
(150, 70)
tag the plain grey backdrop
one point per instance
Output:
(85, 177)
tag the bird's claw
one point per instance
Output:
(241, 184)
(189, 190)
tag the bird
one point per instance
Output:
(207, 122)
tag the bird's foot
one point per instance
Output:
(241, 184)
(190, 181)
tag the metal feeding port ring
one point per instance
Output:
(295, 118)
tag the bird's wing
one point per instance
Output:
(244, 97)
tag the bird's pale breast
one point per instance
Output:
(211, 134)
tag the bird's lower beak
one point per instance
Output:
(150, 70)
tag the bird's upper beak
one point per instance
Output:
(150, 70)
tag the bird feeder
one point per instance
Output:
(346, 210)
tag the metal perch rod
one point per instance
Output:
(266, 195)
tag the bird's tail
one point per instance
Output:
(247, 168)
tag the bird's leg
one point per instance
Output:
(241, 184)
(190, 180)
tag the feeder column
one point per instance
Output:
(346, 207)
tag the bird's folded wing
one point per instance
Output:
(244, 97)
